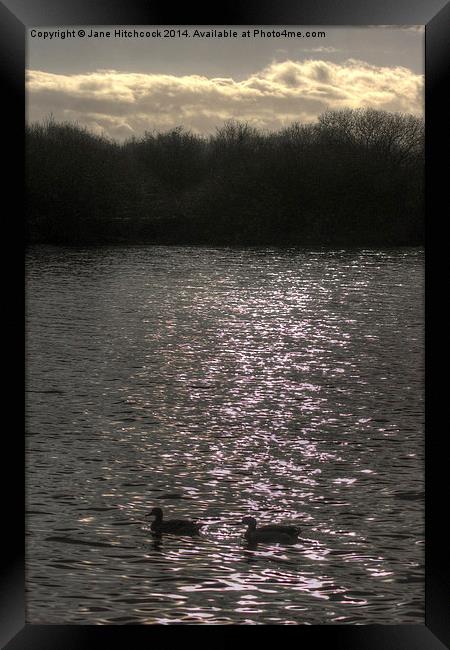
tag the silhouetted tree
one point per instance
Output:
(354, 177)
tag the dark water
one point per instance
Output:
(215, 384)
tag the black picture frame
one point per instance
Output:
(15, 17)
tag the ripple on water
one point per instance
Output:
(218, 383)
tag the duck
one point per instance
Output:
(270, 533)
(172, 526)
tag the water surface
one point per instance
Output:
(216, 383)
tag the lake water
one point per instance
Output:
(219, 383)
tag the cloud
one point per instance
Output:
(125, 104)
(327, 49)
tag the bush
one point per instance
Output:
(355, 177)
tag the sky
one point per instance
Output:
(122, 87)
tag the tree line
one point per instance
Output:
(353, 177)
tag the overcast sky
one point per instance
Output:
(125, 86)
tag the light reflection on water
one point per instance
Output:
(217, 383)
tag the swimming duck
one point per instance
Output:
(270, 532)
(172, 526)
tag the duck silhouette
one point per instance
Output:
(276, 533)
(172, 526)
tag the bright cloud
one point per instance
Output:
(125, 104)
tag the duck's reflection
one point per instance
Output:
(249, 552)
(156, 544)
